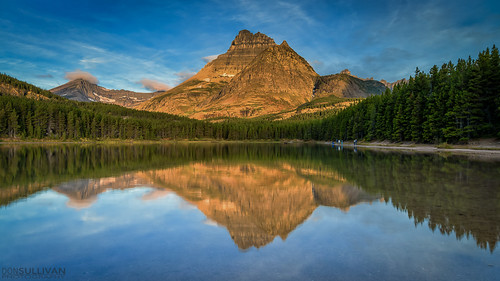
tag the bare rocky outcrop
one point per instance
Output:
(244, 48)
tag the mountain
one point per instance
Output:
(190, 98)
(256, 77)
(345, 85)
(391, 85)
(244, 48)
(82, 90)
(276, 80)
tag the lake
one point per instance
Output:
(246, 212)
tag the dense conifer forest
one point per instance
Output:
(453, 103)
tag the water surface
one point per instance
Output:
(247, 212)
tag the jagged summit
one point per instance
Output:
(244, 48)
(246, 39)
(276, 80)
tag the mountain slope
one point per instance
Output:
(82, 90)
(188, 98)
(278, 79)
(14, 87)
(345, 85)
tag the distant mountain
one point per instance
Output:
(256, 77)
(345, 85)
(391, 85)
(82, 90)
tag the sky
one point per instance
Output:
(154, 45)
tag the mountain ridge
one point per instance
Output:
(256, 77)
(83, 90)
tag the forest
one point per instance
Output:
(453, 103)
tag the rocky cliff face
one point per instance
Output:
(244, 48)
(278, 79)
(82, 90)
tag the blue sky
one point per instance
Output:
(122, 43)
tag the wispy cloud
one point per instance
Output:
(78, 74)
(183, 76)
(154, 85)
(45, 76)
(91, 62)
(208, 59)
(266, 12)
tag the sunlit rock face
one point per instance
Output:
(244, 48)
(276, 80)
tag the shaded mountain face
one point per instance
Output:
(256, 77)
(82, 90)
(345, 85)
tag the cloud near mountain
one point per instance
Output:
(208, 59)
(183, 76)
(154, 85)
(78, 74)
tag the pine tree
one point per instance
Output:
(13, 125)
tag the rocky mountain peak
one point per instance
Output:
(244, 48)
(284, 44)
(246, 39)
(277, 79)
(346, 71)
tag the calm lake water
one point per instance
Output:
(247, 212)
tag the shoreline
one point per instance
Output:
(487, 148)
(490, 151)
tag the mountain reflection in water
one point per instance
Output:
(255, 203)
(259, 192)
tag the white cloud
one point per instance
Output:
(78, 74)
(208, 59)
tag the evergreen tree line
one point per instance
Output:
(453, 103)
(449, 104)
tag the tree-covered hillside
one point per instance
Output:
(453, 103)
